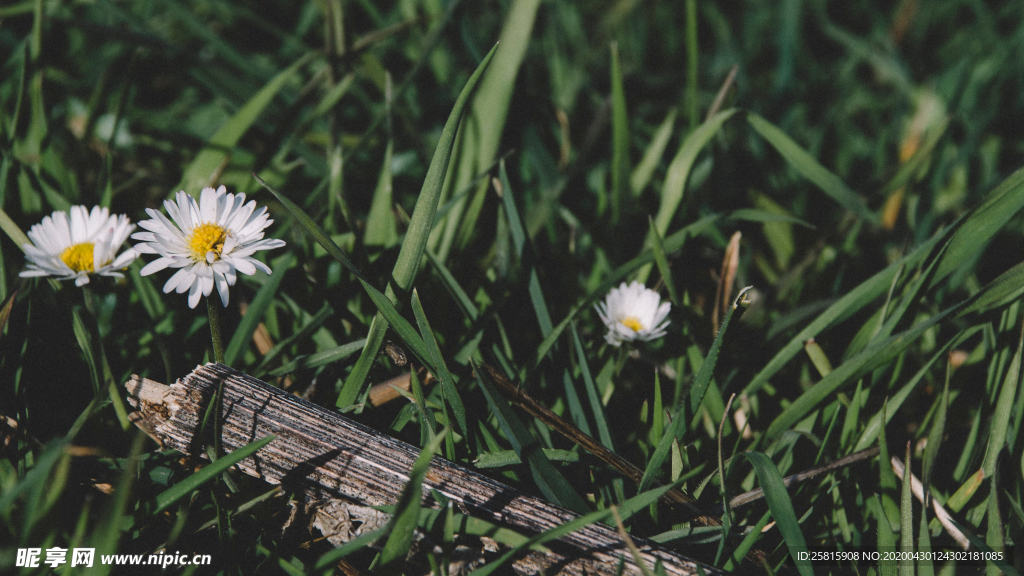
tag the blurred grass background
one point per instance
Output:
(866, 153)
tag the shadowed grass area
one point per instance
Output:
(459, 185)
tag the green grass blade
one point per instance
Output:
(626, 510)
(386, 309)
(818, 358)
(906, 564)
(841, 309)
(152, 299)
(84, 336)
(875, 423)
(661, 259)
(1006, 568)
(811, 169)
(402, 527)
(515, 224)
(381, 225)
(703, 377)
(692, 71)
(1005, 289)
(572, 400)
(448, 390)
(673, 242)
(207, 165)
(620, 135)
(644, 170)
(994, 532)
(329, 560)
(321, 358)
(487, 117)
(552, 484)
(312, 228)
(193, 482)
(1001, 418)
(36, 477)
(657, 413)
(13, 231)
(936, 433)
(426, 204)
(108, 534)
(592, 395)
(982, 224)
(886, 477)
(966, 490)
(851, 423)
(476, 527)
(748, 542)
(418, 406)
(254, 314)
(768, 216)
(886, 542)
(777, 226)
(679, 169)
(491, 104)
(925, 565)
(510, 458)
(314, 324)
(873, 356)
(781, 507)
(416, 235)
(384, 303)
(553, 335)
(697, 391)
(465, 303)
(540, 306)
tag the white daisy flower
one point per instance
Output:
(633, 312)
(80, 245)
(208, 241)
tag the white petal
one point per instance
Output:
(207, 283)
(154, 266)
(222, 288)
(193, 295)
(180, 281)
(126, 258)
(208, 200)
(79, 225)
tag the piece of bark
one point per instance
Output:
(344, 468)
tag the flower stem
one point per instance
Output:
(89, 300)
(218, 342)
(620, 361)
(96, 354)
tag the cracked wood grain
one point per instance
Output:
(344, 468)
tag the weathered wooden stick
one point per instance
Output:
(343, 468)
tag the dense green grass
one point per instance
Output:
(868, 154)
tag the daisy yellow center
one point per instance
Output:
(633, 323)
(206, 238)
(78, 257)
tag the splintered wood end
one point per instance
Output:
(146, 390)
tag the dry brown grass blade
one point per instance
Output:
(757, 493)
(726, 279)
(385, 391)
(918, 489)
(716, 106)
